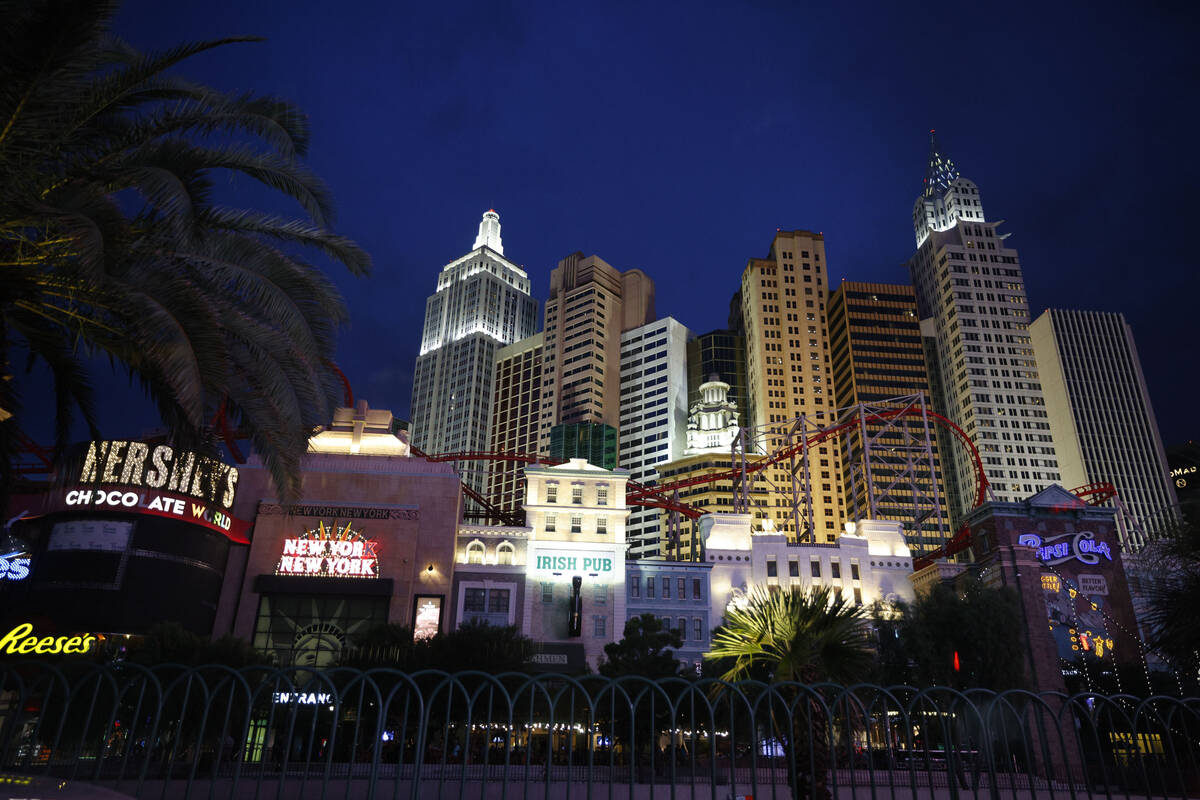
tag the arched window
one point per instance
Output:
(475, 552)
(504, 553)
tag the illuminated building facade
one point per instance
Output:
(1100, 413)
(516, 397)
(482, 303)
(878, 355)
(653, 416)
(371, 542)
(131, 534)
(678, 594)
(971, 299)
(788, 374)
(591, 303)
(721, 353)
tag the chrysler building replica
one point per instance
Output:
(975, 320)
(712, 422)
(482, 303)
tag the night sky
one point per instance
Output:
(676, 137)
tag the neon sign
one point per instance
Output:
(329, 552)
(160, 504)
(14, 566)
(20, 640)
(1080, 546)
(138, 465)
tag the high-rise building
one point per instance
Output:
(971, 299)
(721, 353)
(515, 401)
(878, 358)
(788, 375)
(653, 416)
(1100, 414)
(482, 303)
(591, 304)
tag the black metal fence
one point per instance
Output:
(214, 732)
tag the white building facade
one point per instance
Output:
(971, 299)
(482, 303)
(653, 416)
(1100, 413)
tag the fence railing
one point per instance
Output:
(175, 732)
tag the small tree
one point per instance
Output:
(643, 650)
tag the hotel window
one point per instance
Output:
(666, 588)
(601, 525)
(547, 593)
(650, 588)
(601, 495)
(576, 524)
(681, 588)
(599, 626)
(475, 553)
(551, 521)
(577, 495)
(551, 494)
(601, 594)
(682, 629)
(815, 566)
(504, 553)
(772, 568)
(635, 588)
(475, 600)
(696, 591)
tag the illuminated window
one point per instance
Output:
(576, 524)
(577, 495)
(498, 601)
(601, 495)
(602, 525)
(475, 553)
(551, 494)
(504, 553)
(551, 521)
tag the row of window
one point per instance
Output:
(577, 495)
(652, 584)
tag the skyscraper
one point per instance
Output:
(515, 401)
(482, 303)
(788, 375)
(971, 299)
(878, 357)
(1100, 413)
(653, 421)
(591, 304)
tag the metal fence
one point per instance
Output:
(214, 732)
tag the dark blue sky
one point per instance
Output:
(676, 137)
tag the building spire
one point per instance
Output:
(941, 171)
(489, 233)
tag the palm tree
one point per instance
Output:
(1167, 578)
(795, 637)
(113, 245)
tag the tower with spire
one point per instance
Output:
(975, 319)
(481, 303)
